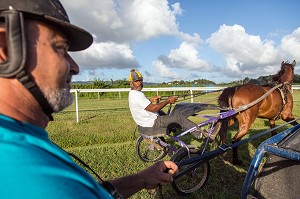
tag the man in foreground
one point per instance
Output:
(35, 73)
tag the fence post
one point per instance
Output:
(76, 105)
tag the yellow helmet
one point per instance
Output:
(134, 75)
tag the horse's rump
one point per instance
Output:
(242, 95)
(226, 95)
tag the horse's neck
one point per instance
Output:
(285, 78)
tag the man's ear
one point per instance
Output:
(3, 45)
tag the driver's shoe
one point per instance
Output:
(198, 132)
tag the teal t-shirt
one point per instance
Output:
(31, 166)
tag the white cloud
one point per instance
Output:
(125, 21)
(153, 18)
(245, 54)
(116, 25)
(291, 44)
(163, 70)
(186, 56)
(106, 55)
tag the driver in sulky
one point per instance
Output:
(145, 113)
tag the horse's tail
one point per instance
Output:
(224, 101)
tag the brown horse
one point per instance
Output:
(278, 104)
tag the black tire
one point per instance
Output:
(150, 152)
(195, 179)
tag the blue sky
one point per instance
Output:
(187, 39)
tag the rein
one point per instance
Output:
(190, 96)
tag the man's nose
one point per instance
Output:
(74, 68)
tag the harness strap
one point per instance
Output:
(283, 93)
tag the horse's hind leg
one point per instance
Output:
(244, 124)
(226, 123)
(223, 131)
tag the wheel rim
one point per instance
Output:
(148, 152)
(190, 183)
(193, 180)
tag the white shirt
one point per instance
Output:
(137, 104)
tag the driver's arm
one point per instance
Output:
(156, 107)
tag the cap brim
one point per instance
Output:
(138, 79)
(79, 39)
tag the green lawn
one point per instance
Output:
(105, 139)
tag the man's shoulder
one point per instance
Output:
(136, 92)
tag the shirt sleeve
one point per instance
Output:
(143, 100)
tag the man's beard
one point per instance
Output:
(59, 99)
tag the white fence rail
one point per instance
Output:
(157, 90)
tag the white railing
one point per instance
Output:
(157, 90)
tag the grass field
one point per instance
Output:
(104, 138)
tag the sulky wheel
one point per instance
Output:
(150, 151)
(194, 179)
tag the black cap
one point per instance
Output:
(53, 11)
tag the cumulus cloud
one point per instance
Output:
(106, 55)
(163, 71)
(291, 44)
(125, 21)
(116, 25)
(245, 54)
(186, 56)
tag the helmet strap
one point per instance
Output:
(36, 92)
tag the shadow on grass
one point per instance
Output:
(226, 180)
(246, 150)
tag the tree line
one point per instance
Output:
(123, 83)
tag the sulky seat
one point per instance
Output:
(153, 131)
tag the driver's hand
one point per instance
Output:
(155, 98)
(172, 99)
